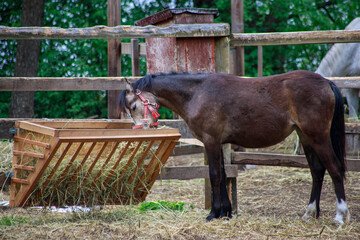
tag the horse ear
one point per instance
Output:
(128, 85)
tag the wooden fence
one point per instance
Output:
(223, 40)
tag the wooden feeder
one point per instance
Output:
(196, 54)
(86, 162)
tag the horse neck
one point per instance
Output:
(342, 59)
(174, 92)
(330, 63)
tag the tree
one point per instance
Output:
(27, 58)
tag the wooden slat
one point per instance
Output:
(126, 49)
(23, 167)
(123, 31)
(28, 154)
(139, 163)
(33, 142)
(30, 126)
(95, 160)
(289, 38)
(63, 174)
(81, 164)
(21, 181)
(193, 172)
(71, 124)
(269, 159)
(158, 167)
(126, 166)
(149, 166)
(57, 164)
(112, 171)
(121, 134)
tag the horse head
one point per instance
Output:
(140, 106)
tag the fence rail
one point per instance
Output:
(290, 38)
(122, 31)
(103, 83)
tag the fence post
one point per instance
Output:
(135, 61)
(114, 53)
(260, 61)
(237, 26)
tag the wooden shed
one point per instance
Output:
(196, 54)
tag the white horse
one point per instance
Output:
(342, 60)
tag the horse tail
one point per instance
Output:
(337, 131)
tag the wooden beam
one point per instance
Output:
(123, 31)
(284, 160)
(269, 159)
(107, 83)
(290, 38)
(63, 83)
(193, 172)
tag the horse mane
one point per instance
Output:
(143, 84)
(329, 65)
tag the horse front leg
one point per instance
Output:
(221, 206)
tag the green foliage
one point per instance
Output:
(12, 220)
(88, 58)
(151, 206)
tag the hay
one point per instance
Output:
(109, 181)
(91, 173)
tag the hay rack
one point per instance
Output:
(86, 162)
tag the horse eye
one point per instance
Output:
(134, 107)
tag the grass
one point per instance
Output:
(12, 220)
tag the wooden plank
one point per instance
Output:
(222, 55)
(126, 49)
(290, 38)
(192, 141)
(269, 159)
(135, 54)
(123, 31)
(28, 154)
(108, 83)
(285, 160)
(70, 124)
(121, 134)
(20, 181)
(32, 142)
(23, 167)
(193, 172)
(64, 83)
(33, 127)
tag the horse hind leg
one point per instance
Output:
(325, 157)
(317, 173)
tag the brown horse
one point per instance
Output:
(253, 113)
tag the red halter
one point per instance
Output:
(147, 106)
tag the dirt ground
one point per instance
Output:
(271, 201)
